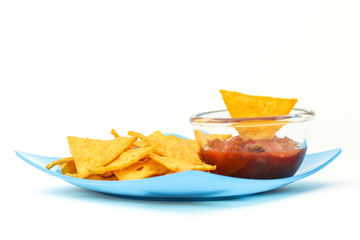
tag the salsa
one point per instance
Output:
(257, 159)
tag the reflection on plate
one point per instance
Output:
(186, 185)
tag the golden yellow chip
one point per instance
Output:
(178, 165)
(139, 144)
(71, 174)
(90, 153)
(241, 105)
(101, 177)
(127, 158)
(142, 142)
(59, 162)
(68, 167)
(140, 170)
(203, 138)
(265, 129)
(189, 147)
(107, 174)
(114, 133)
(175, 147)
(138, 135)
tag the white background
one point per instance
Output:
(84, 67)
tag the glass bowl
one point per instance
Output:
(257, 148)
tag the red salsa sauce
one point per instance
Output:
(256, 159)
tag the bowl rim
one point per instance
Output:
(297, 115)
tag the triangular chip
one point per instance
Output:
(177, 165)
(90, 153)
(68, 167)
(203, 138)
(140, 170)
(241, 105)
(139, 144)
(259, 129)
(173, 146)
(59, 162)
(125, 159)
(114, 133)
(100, 177)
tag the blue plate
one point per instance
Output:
(188, 184)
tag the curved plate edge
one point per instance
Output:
(229, 184)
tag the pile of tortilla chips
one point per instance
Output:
(133, 157)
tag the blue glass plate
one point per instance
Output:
(188, 184)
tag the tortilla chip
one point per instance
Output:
(203, 138)
(178, 165)
(101, 177)
(259, 129)
(188, 144)
(90, 153)
(175, 147)
(141, 170)
(139, 144)
(241, 105)
(68, 167)
(125, 159)
(142, 142)
(59, 162)
(72, 174)
(137, 135)
(114, 133)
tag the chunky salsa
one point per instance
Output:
(257, 159)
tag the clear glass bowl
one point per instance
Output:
(257, 148)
